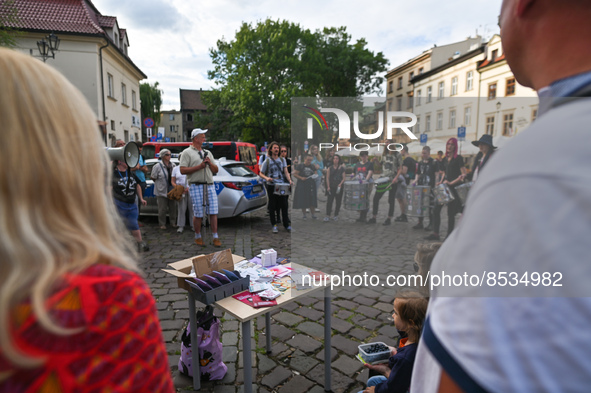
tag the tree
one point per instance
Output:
(8, 20)
(151, 98)
(266, 65)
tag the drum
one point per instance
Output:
(443, 194)
(383, 184)
(417, 198)
(463, 191)
(356, 195)
(282, 189)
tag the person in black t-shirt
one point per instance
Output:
(426, 175)
(408, 174)
(455, 172)
(335, 177)
(125, 187)
(305, 195)
(363, 171)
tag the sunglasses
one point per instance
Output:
(283, 151)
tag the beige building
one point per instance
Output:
(506, 107)
(92, 54)
(172, 122)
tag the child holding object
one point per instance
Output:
(410, 309)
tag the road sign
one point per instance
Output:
(423, 139)
(462, 133)
(153, 139)
(167, 139)
(149, 132)
(159, 136)
(149, 122)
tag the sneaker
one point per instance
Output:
(217, 242)
(275, 230)
(418, 226)
(180, 230)
(163, 227)
(387, 222)
(335, 218)
(140, 224)
(401, 218)
(142, 247)
(314, 217)
(288, 229)
(317, 210)
(326, 219)
(371, 221)
(433, 236)
(199, 241)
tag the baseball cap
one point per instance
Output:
(196, 132)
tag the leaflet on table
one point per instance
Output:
(253, 300)
(262, 279)
(306, 278)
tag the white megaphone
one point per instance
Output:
(129, 154)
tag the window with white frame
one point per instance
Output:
(454, 85)
(171, 116)
(452, 118)
(111, 85)
(428, 123)
(123, 94)
(133, 100)
(469, 80)
(508, 124)
(171, 128)
(492, 91)
(441, 90)
(467, 115)
(439, 125)
(490, 125)
(429, 94)
(419, 93)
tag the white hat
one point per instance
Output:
(196, 132)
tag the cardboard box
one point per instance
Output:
(204, 264)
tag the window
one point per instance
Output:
(452, 118)
(534, 114)
(454, 85)
(398, 103)
(490, 125)
(389, 105)
(410, 76)
(111, 86)
(189, 117)
(410, 101)
(391, 86)
(400, 83)
(171, 128)
(427, 123)
(508, 124)
(492, 91)
(113, 125)
(117, 43)
(510, 88)
(126, 136)
(494, 55)
(441, 90)
(429, 94)
(419, 97)
(439, 121)
(133, 100)
(420, 70)
(417, 126)
(467, 115)
(123, 94)
(469, 80)
(171, 117)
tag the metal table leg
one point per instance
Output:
(194, 344)
(327, 335)
(268, 331)
(247, 356)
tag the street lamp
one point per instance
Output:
(498, 109)
(47, 48)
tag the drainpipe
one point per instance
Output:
(103, 87)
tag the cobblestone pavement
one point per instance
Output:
(360, 313)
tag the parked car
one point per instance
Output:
(239, 189)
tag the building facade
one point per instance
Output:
(172, 123)
(191, 104)
(92, 54)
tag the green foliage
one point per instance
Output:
(268, 64)
(8, 19)
(151, 98)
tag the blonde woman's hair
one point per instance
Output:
(56, 212)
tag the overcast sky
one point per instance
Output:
(170, 39)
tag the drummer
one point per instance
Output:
(274, 170)
(392, 166)
(455, 172)
(363, 170)
(485, 144)
(426, 175)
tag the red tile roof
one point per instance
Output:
(487, 62)
(68, 16)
